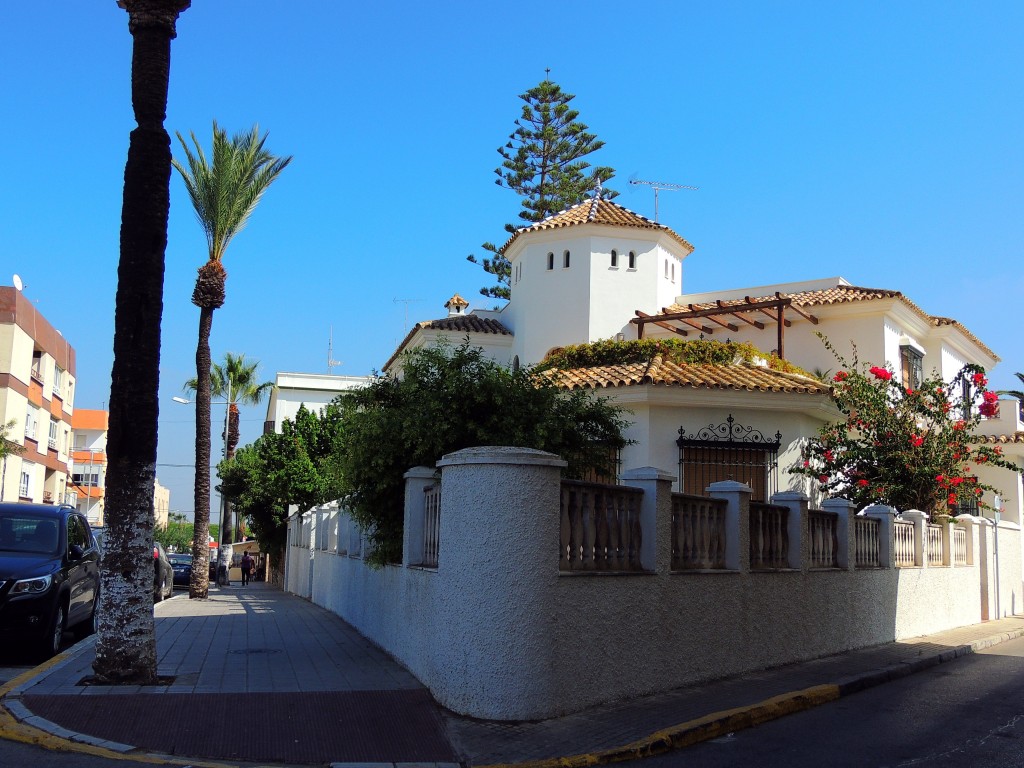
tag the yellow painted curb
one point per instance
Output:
(694, 731)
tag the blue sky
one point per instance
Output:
(878, 141)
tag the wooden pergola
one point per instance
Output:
(747, 311)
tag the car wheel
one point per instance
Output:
(53, 638)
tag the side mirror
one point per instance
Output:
(76, 552)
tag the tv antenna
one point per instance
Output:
(658, 186)
(19, 286)
(331, 362)
(407, 302)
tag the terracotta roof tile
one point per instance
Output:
(467, 324)
(458, 323)
(742, 376)
(597, 211)
(847, 294)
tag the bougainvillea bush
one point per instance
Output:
(907, 448)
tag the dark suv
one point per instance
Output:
(49, 574)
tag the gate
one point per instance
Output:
(728, 451)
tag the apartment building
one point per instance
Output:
(89, 469)
(37, 389)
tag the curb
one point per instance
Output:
(729, 721)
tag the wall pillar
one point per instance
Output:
(796, 527)
(655, 515)
(920, 521)
(845, 512)
(737, 522)
(417, 480)
(497, 602)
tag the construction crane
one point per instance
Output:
(658, 186)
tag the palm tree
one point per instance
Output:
(236, 382)
(126, 646)
(1015, 393)
(224, 193)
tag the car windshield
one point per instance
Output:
(20, 532)
(180, 559)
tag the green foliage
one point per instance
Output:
(448, 399)
(226, 189)
(176, 536)
(693, 352)
(296, 466)
(907, 448)
(543, 162)
(7, 446)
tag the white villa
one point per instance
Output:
(721, 561)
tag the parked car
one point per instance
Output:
(182, 565)
(49, 575)
(163, 574)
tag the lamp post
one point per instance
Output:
(223, 535)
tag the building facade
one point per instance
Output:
(37, 393)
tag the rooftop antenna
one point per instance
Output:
(658, 186)
(407, 302)
(18, 284)
(331, 362)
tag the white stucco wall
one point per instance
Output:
(497, 632)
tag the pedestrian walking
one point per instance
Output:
(246, 568)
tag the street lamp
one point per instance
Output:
(223, 502)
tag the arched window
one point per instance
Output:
(632, 260)
(615, 259)
(551, 261)
(565, 260)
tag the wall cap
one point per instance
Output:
(500, 454)
(648, 473)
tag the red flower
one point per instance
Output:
(807, 463)
(823, 479)
(990, 397)
(863, 483)
(841, 376)
(828, 456)
(988, 410)
(951, 500)
(916, 440)
(881, 373)
(959, 425)
(979, 379)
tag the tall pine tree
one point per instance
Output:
(543, 162)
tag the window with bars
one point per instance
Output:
(728, 451)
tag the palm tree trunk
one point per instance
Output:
(126, 646)
(199, 584)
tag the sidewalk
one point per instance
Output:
(265, 677)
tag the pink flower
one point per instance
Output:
(881, 373)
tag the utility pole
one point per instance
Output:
(658, 186)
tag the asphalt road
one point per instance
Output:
(968, 713)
